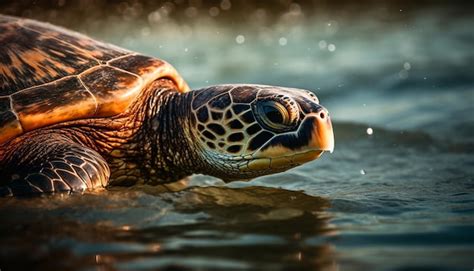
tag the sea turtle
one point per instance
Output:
(76, 114)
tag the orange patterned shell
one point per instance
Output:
(49, 75)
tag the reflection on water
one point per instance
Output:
(397, 193)
(208, 227)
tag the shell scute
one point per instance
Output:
(63, 100)
(112, 88)
(98, 50)
(8, 120)
(28, 59)
(149, 68)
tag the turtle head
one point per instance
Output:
(246, 131)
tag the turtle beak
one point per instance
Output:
(322, 134)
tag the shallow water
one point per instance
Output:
(401, 198)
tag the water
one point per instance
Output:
(397, 193)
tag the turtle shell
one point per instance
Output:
(50, 75)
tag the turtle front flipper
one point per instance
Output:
(50, 163)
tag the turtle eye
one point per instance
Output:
(274, 116)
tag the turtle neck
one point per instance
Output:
(161, 149)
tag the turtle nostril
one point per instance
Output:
(322, 115)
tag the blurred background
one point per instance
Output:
(397, 193)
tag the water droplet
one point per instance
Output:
(226, 5)
(407, 66)
(332, 27)
(370, 131)
(331, 47)
(240, 39)
(191, 12)
(322, 44)
(154, 17)
(282, 41)
(214, 11)
(403, 74)
(362, 172)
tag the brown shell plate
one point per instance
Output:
(49, 75)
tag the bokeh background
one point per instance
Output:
(352, 54)
(397, 193)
